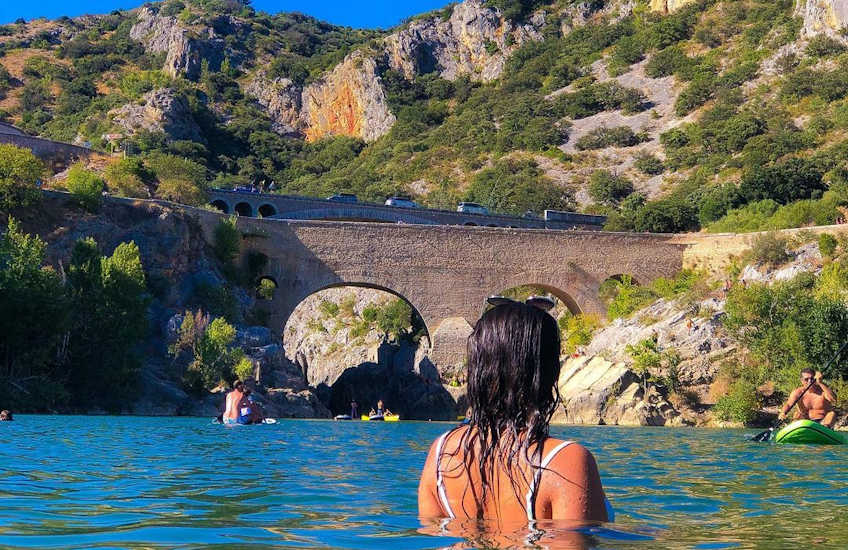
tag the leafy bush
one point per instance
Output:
(608, 188)
(20, 170)
(265, 289)
(788, 327)
(514, 186)
(827, 245)
(214, 358)
(328, 309)
(784, 182)
(823, 45)
(577, 330)
(216, 299)
(625, 296)
(649, 165)
(770, 249)
(601, 138)
(671, 215)
(126, 177)
(180, 180)
(596, 98)
(740, 404)
(227, 240)
(395, 318)
(86, 187)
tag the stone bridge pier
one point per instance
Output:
(445, 272)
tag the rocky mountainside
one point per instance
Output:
(650, 111)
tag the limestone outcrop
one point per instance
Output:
(162, 110)
(475, 41)
(281, 98)
(347, 101)
(668, 6)
(597, 391)
(185, 49)
(822, 16)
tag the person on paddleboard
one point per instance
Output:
(231, 409)
(816, 403)
(503, 466)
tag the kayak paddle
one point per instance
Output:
(766, 435)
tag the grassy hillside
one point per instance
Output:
(712, 115)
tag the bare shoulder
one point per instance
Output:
(572, 454)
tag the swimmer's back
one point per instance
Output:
(569, 487)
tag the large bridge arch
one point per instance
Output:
(445, 272)
(359, 284)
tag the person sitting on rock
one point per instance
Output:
(6, 415)
(503, 466)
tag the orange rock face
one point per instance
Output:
(336, 112)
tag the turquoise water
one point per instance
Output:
(130, 482)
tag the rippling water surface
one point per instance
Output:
(118, 482)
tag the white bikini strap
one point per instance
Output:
(440, 482)
(537, 476)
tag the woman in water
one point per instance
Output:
(502, 466)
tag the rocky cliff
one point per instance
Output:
(185, 48)
(474, 41)
(822, 16)
(161, 110)
(178, 262)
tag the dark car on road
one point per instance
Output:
(343, 197)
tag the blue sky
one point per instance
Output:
(372, 14)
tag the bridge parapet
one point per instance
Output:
(269, 205)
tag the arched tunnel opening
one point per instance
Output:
(221, 205)
(267, 210)
(244, 209)
(364, 343)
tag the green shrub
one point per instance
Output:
(265, 289)
(740, 404)
(601, 138)
(514, 186)
(214, 358)
(395, 318)
(328, 309)
(86, 187)
(227, 240)
(822, 45)
(608, 188)
(20, 171)
(770, 249)
(126, 177)
(671, 215)
(577, 330)
(827, 245)
(649, 165)
(626, 297)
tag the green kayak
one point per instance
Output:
(807, 431)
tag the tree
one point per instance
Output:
(180, 180)
(214, 358)
(33, 320)
(608, 188)
(127, 177)
(514, 186)
(20, 171)
(109, 319)
(671, 215)
(86, 187)
(784, 182)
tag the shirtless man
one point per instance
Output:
(817, 402)
(231, 412)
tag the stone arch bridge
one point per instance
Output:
(445, 272)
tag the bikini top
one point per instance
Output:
(530, 498)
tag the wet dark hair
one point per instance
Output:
(809, 371)
(513, 369)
